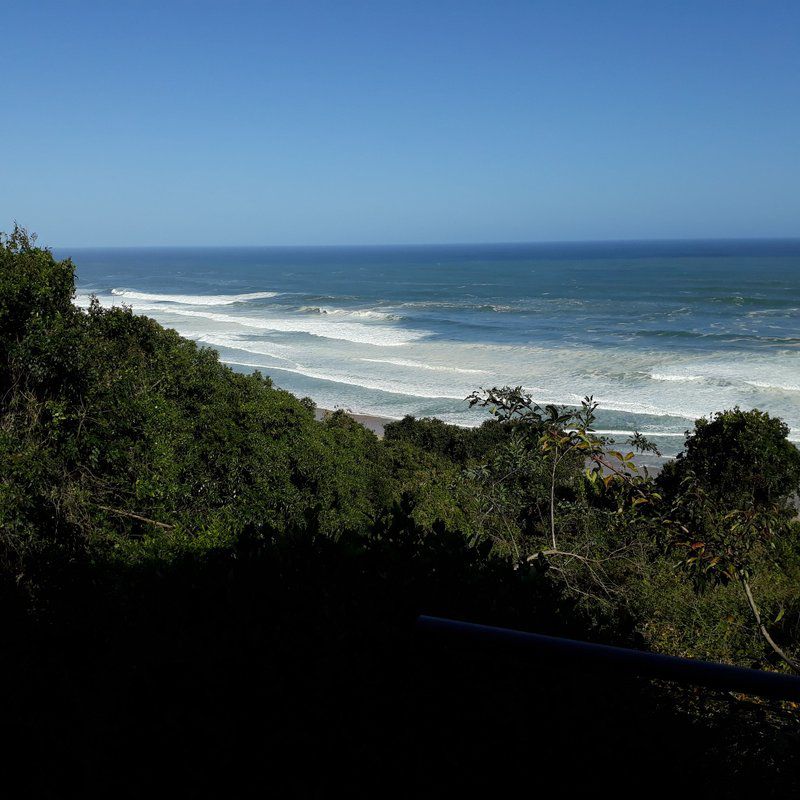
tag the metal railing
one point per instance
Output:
(622, 660)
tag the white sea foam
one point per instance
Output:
(192, 299)
(355, 313)
(610, 403)
(356, 332)
(649, 410)
(666, 434)
(366, 314)
(773, 312)
(390, 387)
(404, 362)
(660, 376)
(246, 345)
(379, 335)
(781, 387)
(82, 300)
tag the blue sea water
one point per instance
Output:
(659, 332)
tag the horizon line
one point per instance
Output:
(506, 243)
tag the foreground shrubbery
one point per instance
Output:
(161, 512)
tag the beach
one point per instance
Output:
(371, 423)
(651, 462)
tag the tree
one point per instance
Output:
(730, 495)
(562, 435)
(554, 487)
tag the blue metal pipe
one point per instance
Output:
(622, 660)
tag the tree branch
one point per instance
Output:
(761, 627)
(137, 517)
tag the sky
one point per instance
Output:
(309, 122)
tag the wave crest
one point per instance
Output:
(780, 387)
(192, 299)
(345, 330)
(355, 313)
(661, 376)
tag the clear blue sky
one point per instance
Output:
(389, 122)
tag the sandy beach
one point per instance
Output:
(374, 424)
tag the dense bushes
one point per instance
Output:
(459, 445)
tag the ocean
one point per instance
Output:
(660, 333)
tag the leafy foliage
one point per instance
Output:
(739, 458)
(731, 492)
(731, 495)
(459, 445)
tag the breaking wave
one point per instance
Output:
(781, 387)
(346, 312)
(403, 362)
(192, 299)
(355, 332)
(660, 376)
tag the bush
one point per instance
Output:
(738, 457)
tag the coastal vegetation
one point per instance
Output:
(188, 556)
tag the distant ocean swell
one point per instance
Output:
(392, 332)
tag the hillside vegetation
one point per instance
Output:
(188, 557)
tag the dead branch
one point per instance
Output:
(138, 517)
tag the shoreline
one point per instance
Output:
(369, 421)
(376, 424)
